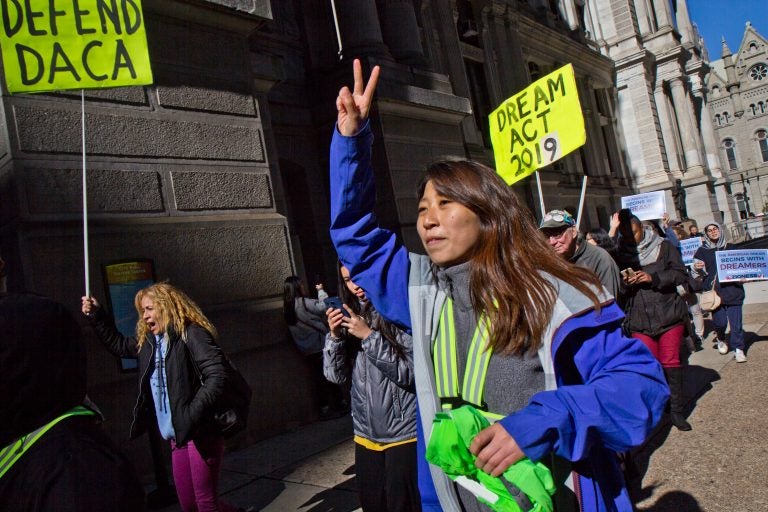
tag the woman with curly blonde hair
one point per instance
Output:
(176, 348)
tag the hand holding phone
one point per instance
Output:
(335, 303)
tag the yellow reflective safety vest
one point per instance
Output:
(444, 358)
(14, 451)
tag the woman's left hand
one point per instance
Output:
(356, 324)
(495, 450)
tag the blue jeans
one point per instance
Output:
(725, 315)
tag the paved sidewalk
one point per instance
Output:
(310, 469)
(721, 465)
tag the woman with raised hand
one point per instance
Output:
(174, 341)
(376, 358)
(307, 324)
(551, 365)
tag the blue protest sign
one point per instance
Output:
(688, 248)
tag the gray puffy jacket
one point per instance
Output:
(382, 395)
(310, 329)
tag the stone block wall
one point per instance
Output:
(178, 172)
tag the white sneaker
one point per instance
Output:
(722, 347)
(741, 357)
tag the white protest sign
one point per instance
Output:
(648, 206)
(742, 265)
(688, 248)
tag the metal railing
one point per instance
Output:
(747, 229)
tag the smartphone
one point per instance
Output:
(628, 272)
(335, 302)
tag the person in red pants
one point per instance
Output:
(656, 313)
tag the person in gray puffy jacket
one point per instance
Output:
(376, 358)
(305, 318)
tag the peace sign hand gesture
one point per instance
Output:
(354, 106)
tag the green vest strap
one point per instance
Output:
(446, 366)
(13, 452)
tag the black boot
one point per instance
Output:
(676, 403)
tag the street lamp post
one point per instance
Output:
(746, 196)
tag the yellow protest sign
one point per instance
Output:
(53, 45)
(537, 126)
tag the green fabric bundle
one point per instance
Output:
(452, 433)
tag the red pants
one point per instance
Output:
(665, 347)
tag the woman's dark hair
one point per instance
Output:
(292, 290)
(625, 236)
(603, 240)
(626, 246)
(376, 322)
(509, 263)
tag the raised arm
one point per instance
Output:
(375, 259)
(104, 326)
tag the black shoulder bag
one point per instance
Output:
(231, 410)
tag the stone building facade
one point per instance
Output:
(738, 85)
(661, 69)
(218, 171)
(183, 172)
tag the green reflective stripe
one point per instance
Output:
(453, 374)
(446, 375)
(477, 365)
(445, 361)
(13, 452)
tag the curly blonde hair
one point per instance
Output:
(175, 310)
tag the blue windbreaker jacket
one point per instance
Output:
(609, 394)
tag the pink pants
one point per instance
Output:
(196, 475)
(665, 347)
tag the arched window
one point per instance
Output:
(752, 108)
(762, 144)
(715, 91)
(725, 117)
(718, 119)
(752, 47)
(730, 152)
(761, 107)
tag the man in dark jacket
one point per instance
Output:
(559, 228)
(71, 466)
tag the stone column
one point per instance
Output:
(643, 17)
(568, 11)
(668, 130)
(684, 25)
(711, 148)
(445, 21)
(401, 31)
(663, 14)
(359, 29)
(594, 150)
(682, 106)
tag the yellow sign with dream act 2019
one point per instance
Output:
(537, 126)
(54, 45)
